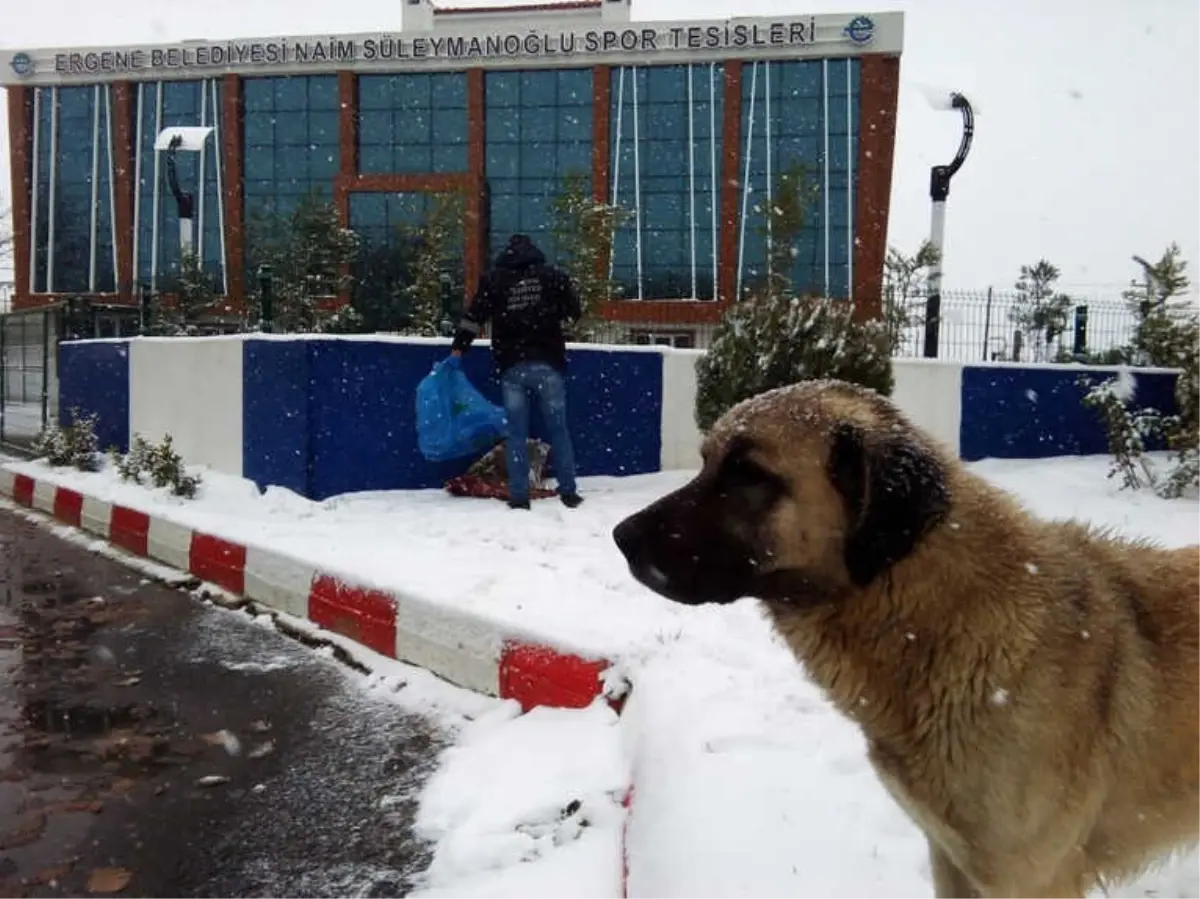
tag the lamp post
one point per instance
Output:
(170, 141)
(939, 190)
(1152, 285)
(1154, 297)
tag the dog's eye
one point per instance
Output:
(740, 472)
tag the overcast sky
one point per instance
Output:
(1087, 144)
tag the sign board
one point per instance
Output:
(458, 47)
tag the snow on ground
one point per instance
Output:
(748, 783)
(529, 806)
(461, 553)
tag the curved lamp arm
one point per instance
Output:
(939, 182)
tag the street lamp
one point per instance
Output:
(1155, 296)
(171, 141)
(939, 189)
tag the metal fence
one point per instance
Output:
(29, 342)
(28, 373)
(975, 326)
(980, 326)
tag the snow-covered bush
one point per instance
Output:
(161, 465)
(763, 343)
(75, 445)
(770, 337)
(1129, 430)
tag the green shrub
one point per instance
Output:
(74, 446)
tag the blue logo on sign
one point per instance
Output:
(22, 64)
(860, 30)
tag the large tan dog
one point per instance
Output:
(1028, 689)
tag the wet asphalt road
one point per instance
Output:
(119, 697)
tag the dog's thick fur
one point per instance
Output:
(1028, 689)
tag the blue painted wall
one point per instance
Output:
(93, 377)
(1032, 413)
(362, 414)
(275, 417)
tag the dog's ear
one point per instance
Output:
(894, 491)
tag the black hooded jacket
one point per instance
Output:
(527, 302)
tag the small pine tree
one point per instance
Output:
(160, 464)
(1161, 336)
(583, 232)
(434, 242)
(905, 278)
(194, 295)
(1040, 311)
(74, 446)
(1128, 431)
(307, 250)
(783, 221)
(771, 338)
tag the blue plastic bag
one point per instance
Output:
(453, 418)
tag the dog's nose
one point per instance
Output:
(625, 535)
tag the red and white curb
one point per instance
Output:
(459, 648)
(466, 651)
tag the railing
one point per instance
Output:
(979, 326)
(29, 341)
(28, 374)
(976, 325)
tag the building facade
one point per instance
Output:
(688, 126)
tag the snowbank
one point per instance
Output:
(747, 782)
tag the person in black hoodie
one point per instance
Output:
(527, 301)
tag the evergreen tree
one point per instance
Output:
(771, 338)
(1160, 336)
(583, 232)
(1040, 311)
(307, 250)
(192, 295)
(905, 278)
(435, 243)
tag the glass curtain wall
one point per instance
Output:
(800, 116)
(160, 105)
(412, 123)
(665, 135)
(539, 131)
(74, 245)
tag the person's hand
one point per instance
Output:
(457, 354)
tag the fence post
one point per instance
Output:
(45, 366)
(1081, 328)
(3, 373)
(987, 324)
(1018, 340)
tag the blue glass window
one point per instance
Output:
(73, 192)
(44, 157)
(72, 195)
(290, 141)
(806, 113)
(412, 123)
(163, 105)
(539, 130)
(665, 135)
(385, 257)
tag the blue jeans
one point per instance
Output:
(516, 384)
